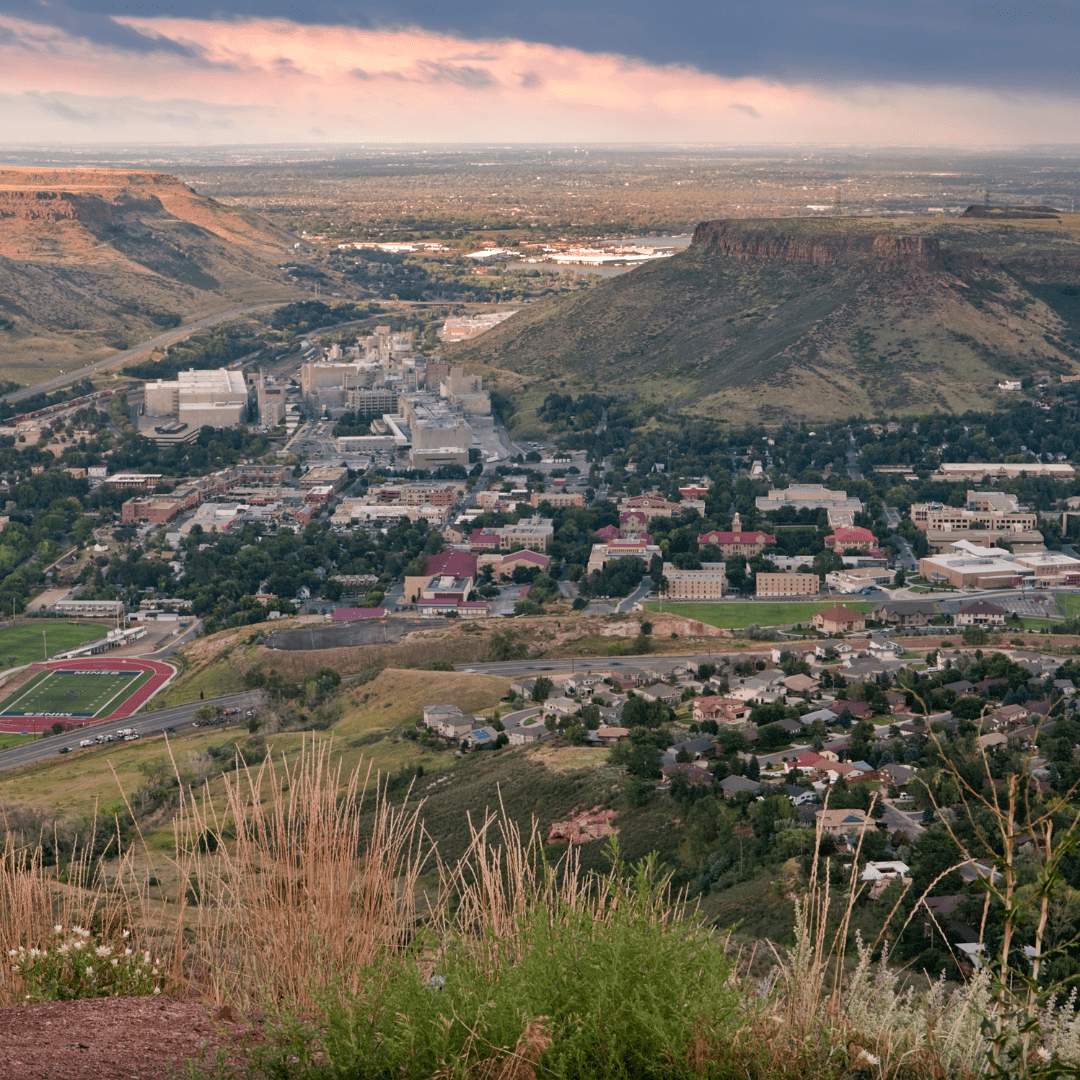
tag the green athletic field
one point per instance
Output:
(77, 694)
(736, 616)
(22, 644)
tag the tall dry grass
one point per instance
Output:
(34, 898)
(285, 888)
(301, 884)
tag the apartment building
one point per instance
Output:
(771, 585)
(708, 583)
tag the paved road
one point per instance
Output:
(144, 723)
(637, 596)
(581, 664)
(167, 338)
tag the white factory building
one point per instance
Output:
(215, 398)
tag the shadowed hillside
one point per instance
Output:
(92, 260)
(812, 319)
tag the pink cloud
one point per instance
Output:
(280, 80)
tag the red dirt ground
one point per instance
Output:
(148, 1038)
(163, 672)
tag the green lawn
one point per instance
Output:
(73, 693)
(8, 740)
(1069, 604)
(735, 615)
(22, 643)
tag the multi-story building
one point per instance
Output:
(852, 539)
(788, 585)
(533, 533)
(270, 395)
(852, 579)
(89, 609)
(807, 497)
(708, 583)
(977, 471)
(619, 548)
(651, 505)
(211, 398)
(838, 620)
(556, 499)
(154, 509)
(737, 541)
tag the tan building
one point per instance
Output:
(556, 499)
(788, 585)
(271, 399)
(532, 533)
(844, 822)
(852, 579)
(333, 476)
(839, 620)
(215, 398)
(155, 509)
(708, 583)
(980, 613)
(724, 710)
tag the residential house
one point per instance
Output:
(724, 710)
(670, 695)
(448, 721)
(561, 706)
(904, 613)
(843, 823)
(980, 613)
(610, 735)
(733, 785)
(839, 620)
(801, 684)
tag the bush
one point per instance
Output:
(78, 966)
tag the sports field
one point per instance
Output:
(76, 694)
(22, 643)
(736, 615)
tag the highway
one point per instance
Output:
(169, 337)
(582, 664)
(152, 723)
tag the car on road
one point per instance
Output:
(64, 750)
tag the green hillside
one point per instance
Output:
(812, 319)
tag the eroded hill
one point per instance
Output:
(813, 319)
(92, 260)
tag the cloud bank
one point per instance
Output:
(69, 76)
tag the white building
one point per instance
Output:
(215, 398)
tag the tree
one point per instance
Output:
(542, 688)
(753, 769)
(976, 635)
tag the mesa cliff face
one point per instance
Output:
(92, 259)
(812, 319)
(734, 241)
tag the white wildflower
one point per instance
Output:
(865, 1058)
(58, 928)
(104, 950)
(146, 958)
(89, 970)
(157, 989)
(64, 948)
(77, 944)
(127, 934)
(13, 952)
(1043, 1054)
(115, 961)
(127, 952)
(15, 968)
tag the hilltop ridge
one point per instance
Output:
(93, 259)
(810, 319)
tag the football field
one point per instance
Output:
(71, 693)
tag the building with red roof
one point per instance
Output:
(851, 539)
(839, 620)
(608, 533)
(731, 543)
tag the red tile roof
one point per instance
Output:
(459, 564)
(717, 537)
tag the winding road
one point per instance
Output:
(169, 337)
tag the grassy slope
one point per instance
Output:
(145, 245)
(735, 616)
(776, 339)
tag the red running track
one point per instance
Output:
(132, 704)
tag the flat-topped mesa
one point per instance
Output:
(88, 207)
(908, 251)
(758, 245)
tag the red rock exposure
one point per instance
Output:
(583, 826)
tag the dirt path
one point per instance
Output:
(111, 1039)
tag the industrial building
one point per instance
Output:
(214, 398)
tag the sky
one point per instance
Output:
(729, 72)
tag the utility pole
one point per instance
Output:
(45, 644)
